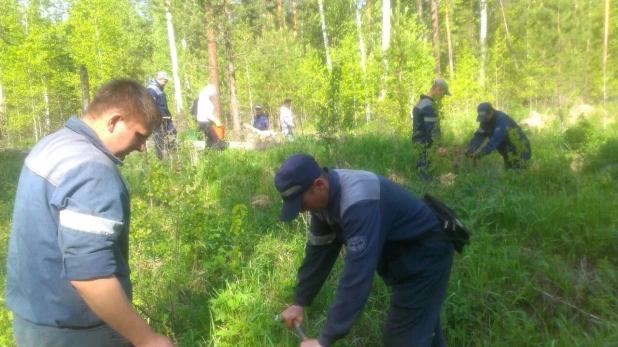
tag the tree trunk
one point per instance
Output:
(294, 19)
(361, 44)
(235, 113)
(483, 38)
(212, 59)
(279, 15)
(435, 27)
(419, 13)
(605, 40)
(174, 55)
(323, 20)
(83, 79)
(46, 102)
(249, 86)
(448, 40)
(386, 24)
(508, 36)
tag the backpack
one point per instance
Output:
(453, 227)
(194, 106)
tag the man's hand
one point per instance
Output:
(310, 343)
(442, 151)
(293, 314)
(157, 340)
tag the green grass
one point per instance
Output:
(211, 266)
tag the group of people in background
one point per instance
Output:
(204, 111)
(504, 134)
(68, 276)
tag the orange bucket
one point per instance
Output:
(220, 130)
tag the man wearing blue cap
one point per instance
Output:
(504, 135)
(384, 228)
(426, 125)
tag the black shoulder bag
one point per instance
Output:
(455, 231)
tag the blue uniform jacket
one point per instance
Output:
(70, 222)
(365, 212)
(504, 135)
(425, 122)
(261, 122)
(159, 95)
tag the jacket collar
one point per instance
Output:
(80, 127)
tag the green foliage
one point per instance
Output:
(578, 136)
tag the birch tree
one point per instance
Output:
(212, 57)
(324, 35)
(174, 56)
(605, 40)
(483, 39)
(361, 44)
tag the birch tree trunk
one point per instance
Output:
(448, 40)
(279, 15)
(508, 36)
(361, 44)
(212, 59)
(46, 102)
(386, 24)
(483, 39)
(435, 27)
(323, 20)
(605, 40)
(85, 84)
(294, 19)
(235, 113)
(174, 55)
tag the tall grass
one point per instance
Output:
(212, 264)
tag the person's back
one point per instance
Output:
(37, 268)
(425, 122)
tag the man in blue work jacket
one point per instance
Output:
(426, 126)
(166, 128)
(384, 228)
(68, 277)
(504, 135)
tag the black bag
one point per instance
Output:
(194, 106)
(453, 227)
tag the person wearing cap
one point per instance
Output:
(166, 127)
(260, 119)
(504, 135)
(426, 126)
(383, 228)
(286, 120)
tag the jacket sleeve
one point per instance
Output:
(425, 124)
(361, 223)
(479, 136)
(499, 135)
(93, 216)
(161, 101)
(321, 252)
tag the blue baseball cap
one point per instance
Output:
(295, 176)
(482, 110)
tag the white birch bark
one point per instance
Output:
(483, 39)
(605, 40)
(174, 55)
(361, 44)
(323, 20)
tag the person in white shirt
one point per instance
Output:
(205, 114)
(285, 118)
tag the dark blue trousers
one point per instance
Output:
(27, 334)
(420, 278)
(163, 135)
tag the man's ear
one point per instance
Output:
(113, 121)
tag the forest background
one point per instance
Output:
(212, 264)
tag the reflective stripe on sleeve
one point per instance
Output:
(88, 223)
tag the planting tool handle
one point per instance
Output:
(301, 331)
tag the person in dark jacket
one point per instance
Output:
(504, 135)
(384, 228)
(166, 127)
(426, 126)
(260, 120)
